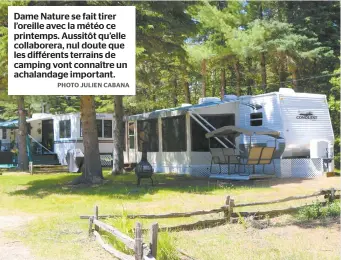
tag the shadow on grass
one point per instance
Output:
(124, 186)
(311, 224)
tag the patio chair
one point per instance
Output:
(231, 157)
(253, 157)
(225, 156)
(259, 156)
(267, 157)
(217, 158)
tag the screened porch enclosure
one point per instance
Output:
(175, 142)
(174, 133)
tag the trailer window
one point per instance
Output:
(148, 133)
(80, 128)
(107, 128)
(99, 127)
(174, 134)
(4, 133)
(65, 129)
(124, 136)
(256, 119)
(200, 143)
(131, 132)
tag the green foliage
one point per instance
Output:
(241, 220)
(166, 246)
(318, 211)
(126, 226)
(298, 40)
(334, 108)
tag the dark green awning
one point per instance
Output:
(13, 124)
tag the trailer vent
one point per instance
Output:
(230, 98)
(287, 91)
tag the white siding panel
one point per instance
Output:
(271, 116)
(299, 132)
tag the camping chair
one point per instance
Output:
(260, 156)
(231, 157)
(253, 157)
(217, 158)
(267, 157)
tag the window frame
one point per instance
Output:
(181, 148)
(257, 119)
(103, 128)
(124, 136)
(80, 128)
(4, 134)
(131, 135)
(65, 136)
(154, 122)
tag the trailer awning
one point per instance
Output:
(13, 124)
(236, 131)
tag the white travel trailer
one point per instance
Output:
(176, 137)
(56, 134)
(5, 139)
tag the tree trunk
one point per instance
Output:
(260, 10)
(282, 78)
(92, 169)
(249, 88)
(238, 78)
(222, 83)
(22, 133)
(250, 77)
(282, 70)
(294, 80)
(174, 94)
(203, 73)
(118, 136)
(263, 70)
(187, 92)
(213, 80)
(262, 55)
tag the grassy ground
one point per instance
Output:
(56, 232)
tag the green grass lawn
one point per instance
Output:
(57, 232)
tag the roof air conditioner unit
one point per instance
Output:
(208, 100)
(286, 91)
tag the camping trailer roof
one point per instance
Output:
(252, 130)
(168, 112)
(175, 111)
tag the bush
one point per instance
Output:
(318, 211)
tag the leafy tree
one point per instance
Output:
(334, 107)
(7, 102)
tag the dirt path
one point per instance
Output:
(12, 249)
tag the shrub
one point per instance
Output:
(318, 211)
